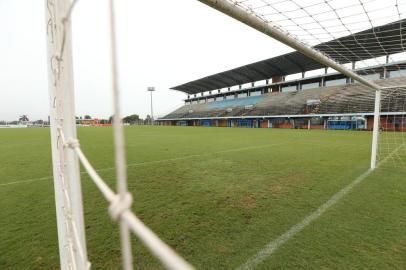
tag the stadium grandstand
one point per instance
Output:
(328, 100)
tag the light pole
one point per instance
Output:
(151, 89)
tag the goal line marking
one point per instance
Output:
(155, 161)
(272, 246)
(27, 181)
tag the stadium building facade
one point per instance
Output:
(326, 101)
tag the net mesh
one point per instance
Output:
(392, 139)
(318, 22)
(367, 36)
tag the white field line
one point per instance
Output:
(156, 161)
(282, 239)
(26, 181)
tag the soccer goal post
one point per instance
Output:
(385, 102)
(306, 27)
(68, 195)
(66, 154)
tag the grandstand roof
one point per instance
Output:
(345, 99)
(361, 45)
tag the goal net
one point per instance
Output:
(392, 139)
(365, 41)
(361, 39)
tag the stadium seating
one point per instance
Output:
(348, 98)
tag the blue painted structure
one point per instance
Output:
(238, 102)
(205, 123)
(247, 123)
(339, 124)
(182, 123)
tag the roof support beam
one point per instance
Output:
(272, 31)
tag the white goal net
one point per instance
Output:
(361, 39)
(392, 139)
(365, 38)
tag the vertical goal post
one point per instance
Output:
(275, 32)
(66, 154)
(68, 194)
(66, 151)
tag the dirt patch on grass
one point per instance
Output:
(246, 202)
(284, 184)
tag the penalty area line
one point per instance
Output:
(272, 246)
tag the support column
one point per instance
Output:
(353, 68)
(276, 79)
(385, 72)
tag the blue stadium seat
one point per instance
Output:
(238, 102)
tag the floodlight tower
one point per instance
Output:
(151, 89)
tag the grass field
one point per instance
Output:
(217, 195)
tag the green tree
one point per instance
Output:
(23, 118)
(131, 118)
(148, 120)
(88, 116)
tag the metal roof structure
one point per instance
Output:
(375, 42)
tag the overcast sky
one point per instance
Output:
(161, 43)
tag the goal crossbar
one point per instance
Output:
(275, 32)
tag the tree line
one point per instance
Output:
(129, 119)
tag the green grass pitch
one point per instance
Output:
(216, 195)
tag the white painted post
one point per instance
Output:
(375, 132)
(68, 195)
(271, 30)
(121, 164)
(268, 28)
